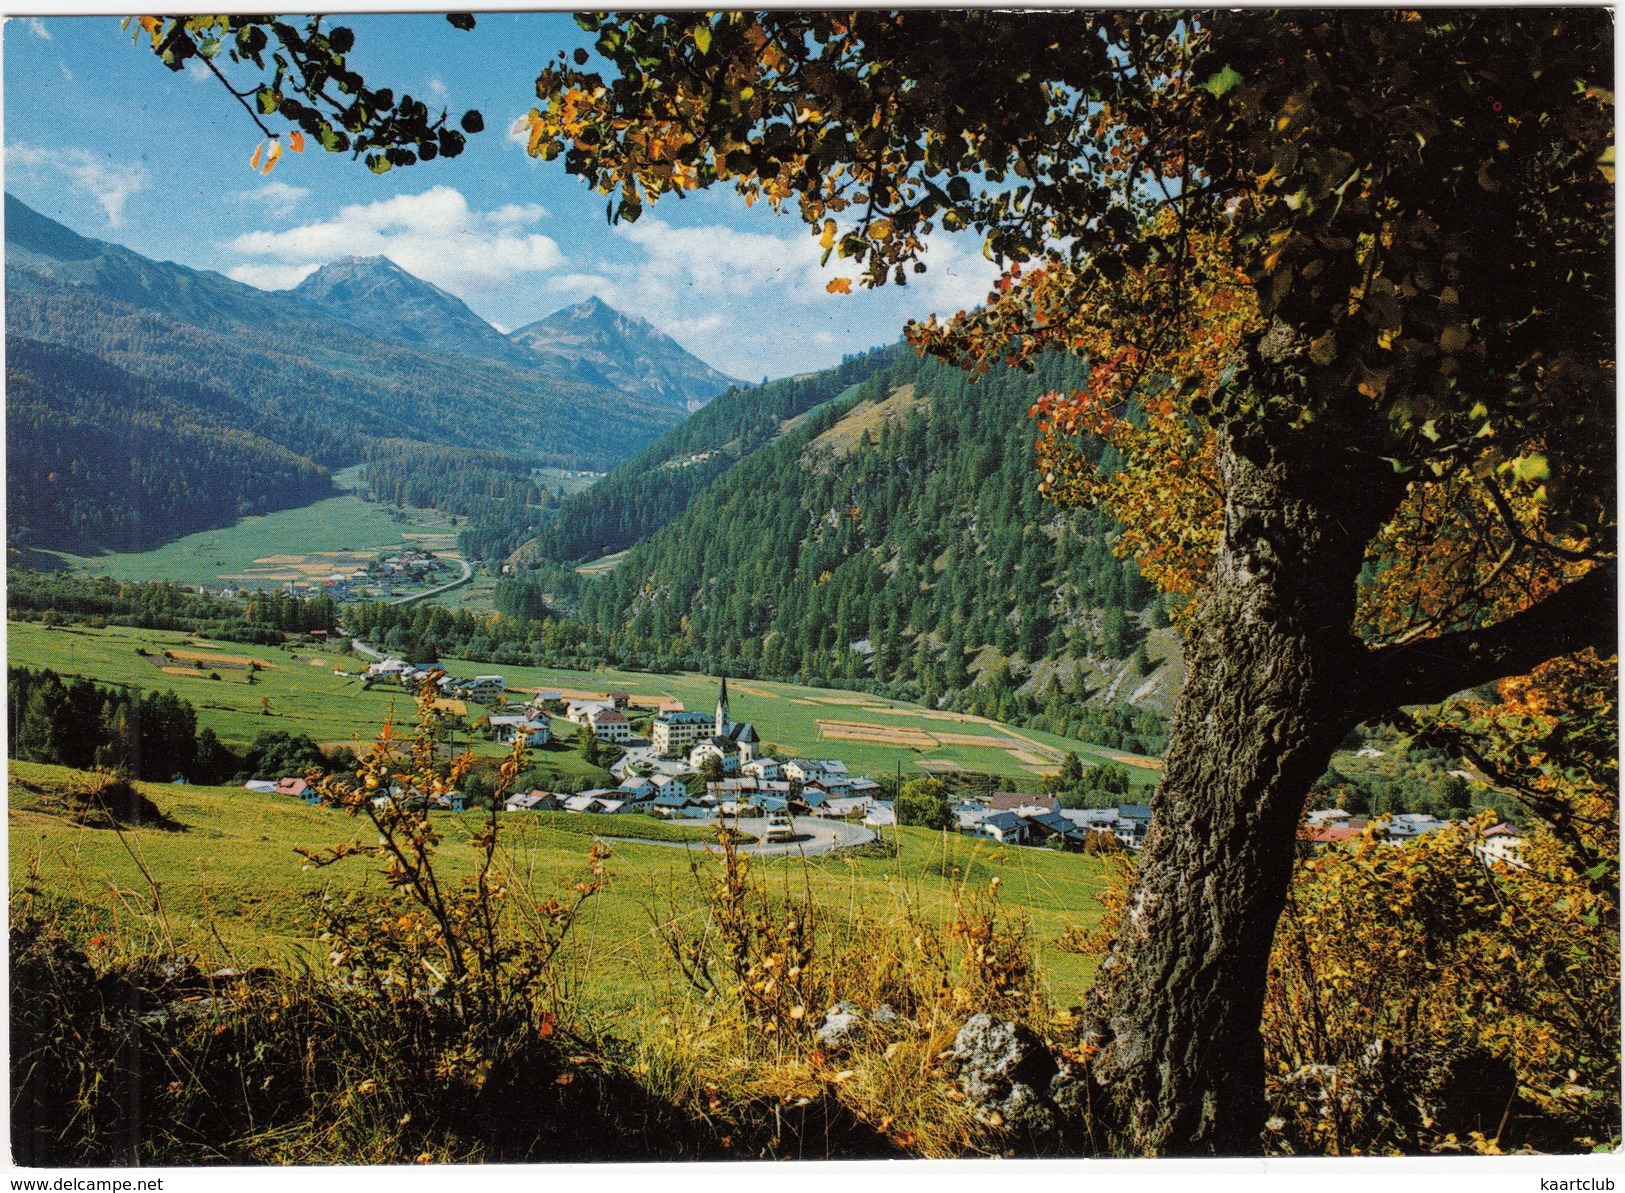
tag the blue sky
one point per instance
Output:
(101, 136)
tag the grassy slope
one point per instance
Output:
(232, 888)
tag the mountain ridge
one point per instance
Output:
(383, 299)
(592, 341)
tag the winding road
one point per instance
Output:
(814, 836)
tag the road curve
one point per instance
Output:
(814, 836)
(468, 572)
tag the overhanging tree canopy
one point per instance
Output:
(1345, 280)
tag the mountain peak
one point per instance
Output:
(382, 299)
(595, 342)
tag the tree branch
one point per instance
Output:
(1427, 671)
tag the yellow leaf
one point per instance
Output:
(1323, 351)
(839, 286)
(1454, 338)
(827, 240)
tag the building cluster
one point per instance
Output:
(1328, 827)
(678, 733)
(1016, 818)
(606, 717)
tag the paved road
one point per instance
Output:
(814, 835)
(468, 571)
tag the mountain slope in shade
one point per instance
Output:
(595, 343)
(299, 377)
(382, 299)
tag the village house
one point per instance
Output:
(1406, 826)
(1322, 836)
(715, 747)
(638, 787)
(1005, 827)
(609, 724)
(1052, 826)
(1502, 845)
(1133, 822)
(532, 801)
(880, 815)
(582, 711)
(843, 807)
(763, 768)
(1023, 805)
(1327, 816)
(298, 788)
(673, 733)
(537, 731)
(485, 688)
(830, 771)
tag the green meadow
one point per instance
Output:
(299, 692)
(335, 525)
(228, 886)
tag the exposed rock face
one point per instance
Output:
(594, 342)
(380, 298)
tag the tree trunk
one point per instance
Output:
(1271, 659)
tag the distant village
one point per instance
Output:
(384, 577)
(697, 766)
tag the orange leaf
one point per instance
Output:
(839, 286)
(254, 162)
(296, 141)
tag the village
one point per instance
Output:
(708, 768)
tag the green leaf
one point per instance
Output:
(1218, 84)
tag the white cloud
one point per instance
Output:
(66, 73)
(38, 29)
(957, 276)
(434, 235)
(197, 72)
(110, 183)
(279, 197)
(271, 277)
(437, 88)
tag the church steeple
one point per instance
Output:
(723, 720)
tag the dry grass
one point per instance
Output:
(885, 734)
(1131, 760)
(225, 660)
(845, 436)
(979, 739)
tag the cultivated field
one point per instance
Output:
(298, 691)
(338, 534)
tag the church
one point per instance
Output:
(734, 742)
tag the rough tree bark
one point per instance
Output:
(1276, 678)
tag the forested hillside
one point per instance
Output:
(654, 486)
(894, 538)
(494, 491)
(99, 459)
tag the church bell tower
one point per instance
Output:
(723, 720)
